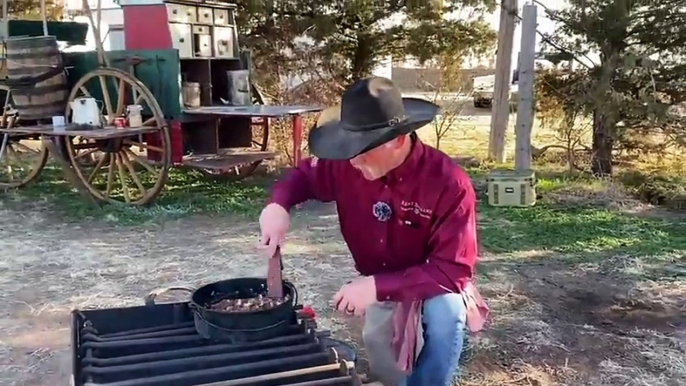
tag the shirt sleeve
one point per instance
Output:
(452, 252)
(312, 179)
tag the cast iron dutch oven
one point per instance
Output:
(239, 326)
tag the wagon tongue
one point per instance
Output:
(274, 275)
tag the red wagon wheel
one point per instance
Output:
(260, 139)
(129, 169)
(22, 158)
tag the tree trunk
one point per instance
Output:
(604, 120)
(606, 114)
(362, 60)
(603, 142)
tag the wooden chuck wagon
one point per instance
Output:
(180, 94)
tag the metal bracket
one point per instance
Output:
(134, 60)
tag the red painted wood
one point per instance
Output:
(153, 139)
(297, 138)
(146, 27)
(176, 136)
(176, 143)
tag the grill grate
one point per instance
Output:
(173, 354)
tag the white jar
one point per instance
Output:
(133, 113)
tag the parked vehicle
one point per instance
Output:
(483, 88)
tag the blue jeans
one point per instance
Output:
(444, 321)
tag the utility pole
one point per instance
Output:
(45, 19)
(503, 71)
(525, 109)
(4, 26)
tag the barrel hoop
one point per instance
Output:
(39, 90)
(55, 104)
(22, 71)
(38, 117)
(45, 115)
(30, 42)
(33, 55)
(30, 81)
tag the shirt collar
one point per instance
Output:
(408, 167)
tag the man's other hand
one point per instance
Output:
(274, 224)
(356, 296)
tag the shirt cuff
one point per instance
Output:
(388, 287)
(284, 202)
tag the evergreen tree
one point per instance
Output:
(640, 74)
(348, 38)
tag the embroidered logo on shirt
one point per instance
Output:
(382, 211)
(411, 206)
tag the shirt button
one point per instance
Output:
(381, 241)
(383, 264)
(388, 298)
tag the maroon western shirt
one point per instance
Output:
(414, 230)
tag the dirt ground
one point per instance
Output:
(553, 324)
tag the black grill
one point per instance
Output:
(157, 345)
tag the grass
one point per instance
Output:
(577, 230)
(571, 228)
(185, 193)
(564, 224)
(579, 219)
(576, 221)
(574, 215)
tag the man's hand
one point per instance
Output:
(356, 296)
(274, 224)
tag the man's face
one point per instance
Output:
(377, 162)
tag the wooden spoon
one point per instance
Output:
(275, 275)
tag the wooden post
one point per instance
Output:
(45, 18)
(503, 72)
(525, 110)
(102, 58)
(5, 26)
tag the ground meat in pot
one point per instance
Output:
(247, 305)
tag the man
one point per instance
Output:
(407, 213)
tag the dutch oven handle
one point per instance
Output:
(150, 298)
(295, 296)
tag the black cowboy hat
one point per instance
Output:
(372, 112)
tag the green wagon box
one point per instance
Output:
(180, 94)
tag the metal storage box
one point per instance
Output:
(511, 188)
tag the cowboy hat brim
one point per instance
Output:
(328, 140)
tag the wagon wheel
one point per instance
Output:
(131, 169)
(260, 138)
(22, 158)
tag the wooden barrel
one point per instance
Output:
(38, 58)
